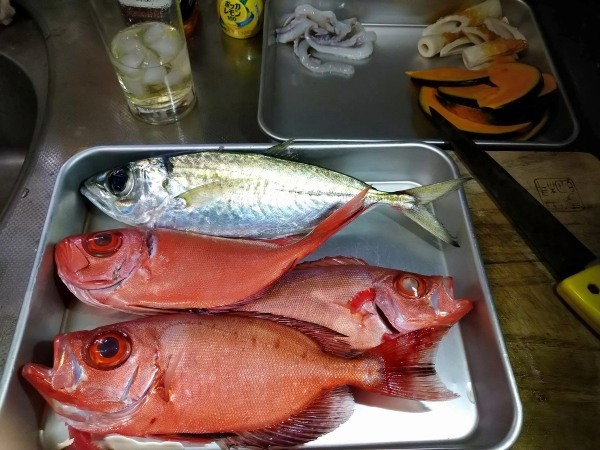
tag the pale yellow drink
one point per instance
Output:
(153, 67)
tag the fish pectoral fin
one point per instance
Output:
(323, 415)
(209, 192)
(329, 340)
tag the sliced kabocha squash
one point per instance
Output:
(467, 95)
(535, 127)
(549, 89)
(470, 120)
(516, 83)
(476, 94)
(448, 76)
(530, 107)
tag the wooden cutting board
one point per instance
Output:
(554, 355)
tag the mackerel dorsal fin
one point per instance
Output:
(283, 150)
(206, 193)
(330, 261)
(323, 415)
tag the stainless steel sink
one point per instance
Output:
(23, 91)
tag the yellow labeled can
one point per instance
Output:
(240, 19)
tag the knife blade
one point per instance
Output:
(566, 258)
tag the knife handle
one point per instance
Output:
(582, 292)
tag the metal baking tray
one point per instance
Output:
(379, 102)
(472, 359)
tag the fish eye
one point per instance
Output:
(108, 350)
(411, 285)
(120, 182)
(103, 244)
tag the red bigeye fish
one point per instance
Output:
(245, 380)
(153, 270)
(368, 304)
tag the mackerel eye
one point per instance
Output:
(411, 285)
(108, 350)
(120, 182)
(103, 244)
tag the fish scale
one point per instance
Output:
(259, 380)
(153, 270)
(252, 195)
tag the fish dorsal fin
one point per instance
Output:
(209, 192)
(330, 261)
(282, 150)
(329, 340)
(285, 240)
(327, 412)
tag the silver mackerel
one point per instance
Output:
(247, 195)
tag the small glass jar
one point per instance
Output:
(240, 19)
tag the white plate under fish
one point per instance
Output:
(471, 359)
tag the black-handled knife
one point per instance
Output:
(562, 253)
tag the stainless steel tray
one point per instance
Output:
(379, 102)
(471, 360)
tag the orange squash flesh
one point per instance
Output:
(509, 99)
(468, 120)
(448, 76)
(472, 95)
(549, 90)
(549, 84)
(515, 82)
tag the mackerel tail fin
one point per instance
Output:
(408, 369)
(423, 195)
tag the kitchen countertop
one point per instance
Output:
(555, 357)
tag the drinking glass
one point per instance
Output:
(145, 41)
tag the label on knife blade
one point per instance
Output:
(559, 194)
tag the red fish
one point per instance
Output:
(152, 270)
(245, 380)
(368, 304)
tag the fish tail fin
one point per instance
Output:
(423, 196)
(332, 224)
(408, 366)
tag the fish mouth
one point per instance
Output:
(40, 377)
(448, 310)
(95, 191)
(93, 297)
(71, 260)
(87, 420)
(439, 307)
